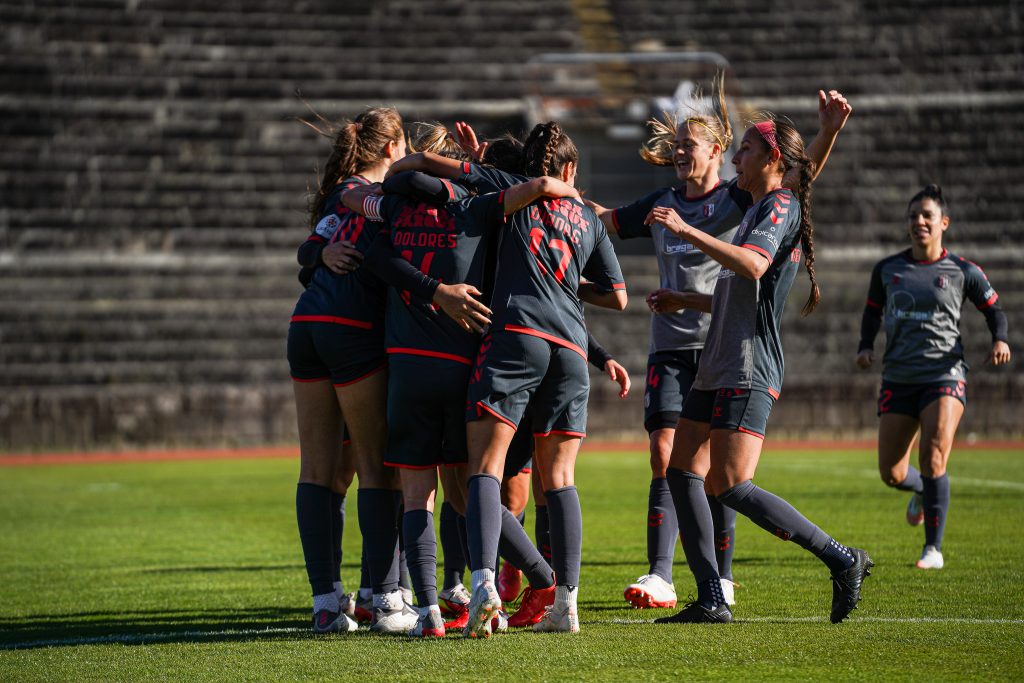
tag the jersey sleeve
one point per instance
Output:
(629, 219)
(596, 354)
(876, 290)
(485, 179)
(488, 209)
(602, 268)
(977, 287)
(425, 188)
(771, 223)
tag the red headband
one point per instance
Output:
(767, 131)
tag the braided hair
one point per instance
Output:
(547, 150)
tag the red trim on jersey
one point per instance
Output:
(561, 431)
(910, 255)
(409, 467)
(481, 406)
(465, 167)
(548, 337)
(747, 431)
(315, 238)
(332, 319)
(618, 285)
(774, 394)
(526, 470)
(615, 221)
(501, 200)
(992, 299)
(360, 379)
(872, 304)
(702, 197)
(448, 186)
(430, 354)
(759, 250)
(308, 381)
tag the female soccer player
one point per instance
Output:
(338, 366)
(696, 148)
(740, 373)
(920, 292)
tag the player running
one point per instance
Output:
(696, 148)
(741, 369)
(919, 292)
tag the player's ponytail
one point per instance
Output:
(933, 192)
(711, 126)
(433, 136)
(355, 146)
(547, 150)
(793, 155)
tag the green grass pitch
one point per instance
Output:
(192, 571)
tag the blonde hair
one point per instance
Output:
(712, 126)
(434, 136)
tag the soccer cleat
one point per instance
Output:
(931, 558)
(650, 590)
(846, 585)
(326, 621)
(558, 620)
(483, 607)
(500, 622)
(429, 625)
(454, 601)
(695, 613)
(531, 609)
(729, 591)
(363, 610)
(510, 580)
(915, 510)
(347, 601)
(458, 621)
(393, 615)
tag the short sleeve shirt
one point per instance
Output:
(744, 347)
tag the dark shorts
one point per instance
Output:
(743, 410)
(669, 378)
(343, 354)
(514, 370)
(911, 399)
(426, 401)
(520, 452)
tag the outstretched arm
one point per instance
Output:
(526, 193)
(428, 162)
(592, 294)
(833, 111)
(605, 214)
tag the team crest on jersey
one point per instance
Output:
(941, 282)
(709, 209)
(326, 227)
(896, 279)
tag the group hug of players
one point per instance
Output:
(441, 332)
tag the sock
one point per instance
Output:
(377, 522)
(364, 572)
(517, 548)
(662, 529)
(337, 531)
(313, 513)
(483, 522)
(542, 531)
(421, 554)
(463, 537)
(404, 579)
(565, 597)
(696, 530)
(339, 589)
(775, 515)
(566, 520)
(365, 593)
(911, 482)
(327, 601)
(724, 521)
(936, 507)
(521, 518)
(479, 577)
(451, 547)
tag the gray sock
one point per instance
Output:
(912, 482)
(378, 514)
(337, 531)
(566, 519)
(483, 521)
(936, 507)
(662, 529)
(313, 513)
(421, 554)
(516, 547)
(542, 532)
(451, 546)
(724, 519)
(697, 530)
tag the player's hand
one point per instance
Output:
(598, 209)
(459, 303)
(618, 374)
(665, 301)
(999, 355)
(865, 358)
(668, 217)
(341, 257)
(833, 110)
(468, 142)
(410, 162)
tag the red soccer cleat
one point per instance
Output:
(531, 609)
(510, 582)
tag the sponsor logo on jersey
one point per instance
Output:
(767, 235)
(989, 293)
(678, 248)
(709, 209)
(941, 282)
(725, 273)
(902, 305)
(327, 226)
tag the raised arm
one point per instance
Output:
(526, 193)
(833, 111)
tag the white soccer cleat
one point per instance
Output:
(558, 620)
(499, 623)
(650, 590)
(429, 625)
(930, 558)
(454, 600)
(326, 621)
(393, 614)
(915, 510)
(729, 591)
(347, 603)
(483, 608)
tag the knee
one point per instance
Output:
(733, 496)
(660, 455)
(318, 473)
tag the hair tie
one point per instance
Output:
(357, 126)
(767, 131)
(701, 123)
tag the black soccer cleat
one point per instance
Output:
(695, 613)
(846, 585)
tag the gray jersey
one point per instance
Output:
(681, 266)
(922, 302)
(744, 347)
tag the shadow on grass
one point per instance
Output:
(236, 568)
(140, 627)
